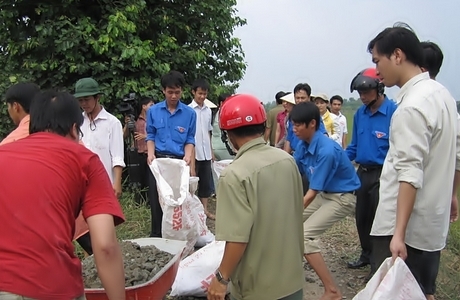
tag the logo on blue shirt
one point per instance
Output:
(380, 134)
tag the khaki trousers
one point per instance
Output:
(323, 212)
(9, 296)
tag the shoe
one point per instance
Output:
(357, 264)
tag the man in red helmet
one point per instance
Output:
(368, 148)
(263, 234)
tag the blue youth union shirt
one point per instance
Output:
(294, 140)
(171, 131)
(326, 165)
(371, 132)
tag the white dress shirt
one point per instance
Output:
(342, 120)
(423, 136)
(203, 129)
(105, 139)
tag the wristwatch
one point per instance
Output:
(221, 279)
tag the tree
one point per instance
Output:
(126, 45)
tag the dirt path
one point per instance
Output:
(339, 245)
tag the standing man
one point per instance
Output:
(368, 148)
(332, 185)
(171, 128)
(203, 147)
(18, 99)
(336, 106)
(247, 209)
(432, 64)
(36, 253)
(102, 131)
(270, 127)
(412, 218)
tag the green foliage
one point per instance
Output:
(126, 45)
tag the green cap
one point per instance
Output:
(86, 87)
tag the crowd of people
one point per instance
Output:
(292, 177)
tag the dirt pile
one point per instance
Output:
(141, 264)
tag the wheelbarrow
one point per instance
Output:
(157, 287)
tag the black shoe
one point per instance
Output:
(357, 264)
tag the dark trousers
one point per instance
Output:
(155, 209)
(141, 193)
(367, 199)
(85, 242)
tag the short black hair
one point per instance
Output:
(173, 79)
(304, 113)
(336, 97)
(248, 131)
(278, 97)
(223, 97)
(303, 86)
(200, 83)
(433, 58)
(143, 101)
(400, 36)
(22, 93)
(56, 112)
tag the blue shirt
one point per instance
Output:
(370, 139)
(326, 165)
(293, 139)
(171, 131)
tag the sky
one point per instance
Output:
(324, 42)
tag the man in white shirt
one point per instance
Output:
(412, 218)
(336, 106)
(102, 132)
(203, 146)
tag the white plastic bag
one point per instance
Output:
(180, 216)
(392, 282)
(205, 236)
(197, 270)
(219, 166)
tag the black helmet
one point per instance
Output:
(367, 79)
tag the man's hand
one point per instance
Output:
(192, 172)
(454, 209)
(398, 248)
(117, 189)
(139, 136)
(187, 159)
(216, 290)
(150, 158)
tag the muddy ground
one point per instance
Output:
(141, 264)
(339, 245)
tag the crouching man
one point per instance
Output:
(53, 179)
(261, 223)
(331, 194)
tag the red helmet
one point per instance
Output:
(367, 79)
(241, 110)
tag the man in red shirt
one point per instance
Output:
(53, 178)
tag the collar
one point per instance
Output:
(162, 105)
(326, 115)
(408, 85)
(311, 147)
(195, 105)
(251, 144)
(103, 114)
(24, 121)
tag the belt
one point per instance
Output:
(367, 168)
(351, 192)
(165, 155)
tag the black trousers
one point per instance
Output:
(367, 199)
(141, 193)
(155, 209)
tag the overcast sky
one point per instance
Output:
(323, 42)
